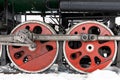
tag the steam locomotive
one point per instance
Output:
(83, 36)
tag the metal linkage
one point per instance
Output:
(81, 37)
(57, 37)
(117, 38)
(26, 38)
(105, 38)
(21, 38)
(11, 40)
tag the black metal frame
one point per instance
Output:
(3, 58)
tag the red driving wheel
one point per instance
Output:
(34, 59)
(90, 56)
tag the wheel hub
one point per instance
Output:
(90, 47)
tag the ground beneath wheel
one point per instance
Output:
(112, 73)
